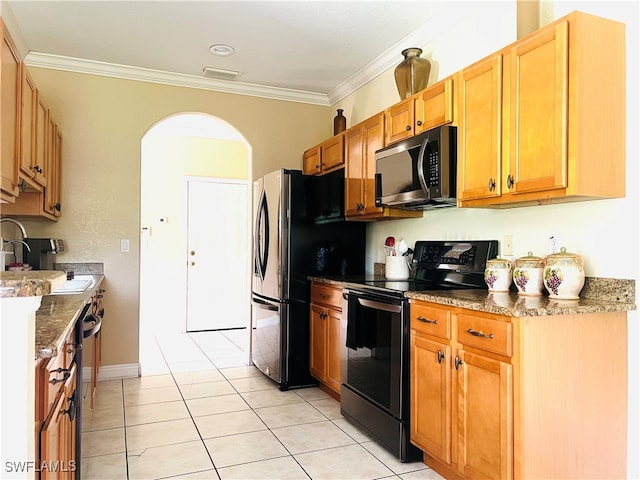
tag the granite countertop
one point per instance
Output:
(598, 295)
(56, 318)
(30, 283)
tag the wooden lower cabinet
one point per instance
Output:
(57, 397)
(519, 397)
(326, 318)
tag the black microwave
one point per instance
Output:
(418, 173)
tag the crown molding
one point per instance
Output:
(91, 67)
(389, 59)
(420, 37)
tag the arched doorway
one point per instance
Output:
(180, 149)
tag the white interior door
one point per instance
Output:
(217, 255)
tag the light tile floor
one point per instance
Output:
(205, 413)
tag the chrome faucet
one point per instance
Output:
(19, 225)
(15, 241)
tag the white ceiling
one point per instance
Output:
(310, 51)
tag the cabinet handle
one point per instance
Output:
(419, 123)
(492, 184)
(22, 185)
(426, 320)
(408, 127)
(476, 333)
(440, 356)
(65, 375)
(324, 295)
(458, 362)
(57, 206)
(72, 407)
(510, 181)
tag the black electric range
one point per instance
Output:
(439, 265)
(375, 393)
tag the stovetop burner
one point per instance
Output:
(439, 265)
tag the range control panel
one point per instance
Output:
(465, 255)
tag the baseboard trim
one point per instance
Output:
(113, 372)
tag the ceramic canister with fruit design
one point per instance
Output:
(497, 274)
(564, 275)
(527, 275)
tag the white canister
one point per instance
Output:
(564, 275)
(396, 267)
(497, 275)
(527, 275)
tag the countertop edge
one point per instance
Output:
(597, 299)
(56, 318)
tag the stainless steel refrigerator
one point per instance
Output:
(299, 231)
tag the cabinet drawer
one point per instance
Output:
(326, 295)
(430, 320)
(491, 335)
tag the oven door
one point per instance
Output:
(374, 350)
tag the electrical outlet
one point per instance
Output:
(124, 245)
(507, 245)
(554, 244)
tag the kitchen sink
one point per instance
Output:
(79, 284)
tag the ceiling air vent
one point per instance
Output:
(220, 74)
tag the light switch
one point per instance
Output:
(124, 245)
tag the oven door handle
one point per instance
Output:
(380, 305)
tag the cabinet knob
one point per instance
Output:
(440, 356)
(192, 253)
(57, 206)
(408, 127)
(510, 181)
(492, 184)
(419, 123)
(38, 169)
(458, 362)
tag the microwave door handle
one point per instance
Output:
(423, 181)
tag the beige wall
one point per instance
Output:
(103, 121)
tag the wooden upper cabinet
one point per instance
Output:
(311, 161)
(433, 106)
(332, 153)
(10, 106)
(33, 121)
(539, 110)
(324, 158)
(399, 121)
(354, 171)
(480, 129)
(554, 90)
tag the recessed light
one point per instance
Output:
(221, 50)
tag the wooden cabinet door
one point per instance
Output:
(399, 121)
(318, 342)
(431, 396)
(41, 136)
(485, 417)
(10, 101)
(51, 193)
(333, 379)
(373, 133)
(434, 106)
(332, 153)
(480, 129)
(539, 103)
(28, 126)
(311, 164)
(354, 171)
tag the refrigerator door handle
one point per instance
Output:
(261, 240)
(266, 305)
